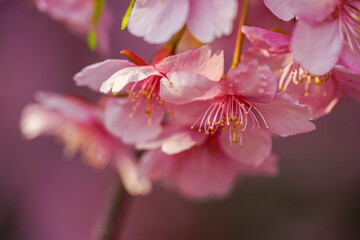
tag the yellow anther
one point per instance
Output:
(306, 94)
(131, 115)
(192, 127)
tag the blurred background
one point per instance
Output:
(45, 196)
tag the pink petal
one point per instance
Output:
(210, 19)
(285, 116)
(129, 172)
(69, 107)
(186, 114)
(268, 167)
(157, 20)
(35, 121)
(266, 39)
(131, 130)
(313, 11)
(155, 165)
(123, 77)
(317, 47)
(275, 61)
(350, 59)
(255, 82)
(184, 87)
(182, 141)
(320, 99)
(174, 139)
(197, 61)
(281, 8)
(198, 173)
(350, 81)
(203, 174)
(94, 75)
(256, 146)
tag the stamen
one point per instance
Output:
(147, 90)
(293, 73)
(349, 16)
(233, 113)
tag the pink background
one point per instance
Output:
(45, 196)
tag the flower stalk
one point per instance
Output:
(240, 35)
(110, 227)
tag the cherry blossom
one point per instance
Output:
(245, 105)
(319, 93)
(326, 32)
(78, 125)
(196, 165)
(145, 107)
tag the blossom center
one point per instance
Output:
(88, 140)
(147, 92)
(349, 16)
(233, 113)
(294, 73)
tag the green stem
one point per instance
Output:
(240, 35)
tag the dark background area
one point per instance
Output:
(45, 196)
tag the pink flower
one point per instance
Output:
(327, 32)
(196, 165)
(76, 15)
(144, 84)
(158, 20)
(78, 125)
(245, 105)
(319, 93)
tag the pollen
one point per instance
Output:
(293, 73)
(231, 113)
(147, 92)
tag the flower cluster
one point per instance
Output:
(190, 123)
